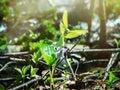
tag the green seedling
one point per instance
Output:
(36, 56)
(117, 42)
(22, 73)
(100, 73)
(68, 34)
(33, 72)
(48, 54)
(53, 53)
(26, 72)
(112, 78)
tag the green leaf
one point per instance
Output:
(60, 41)
(48, 80)
(65, 19)
(100, 73)
(34, 45)
(62, 28)
(2, 87)
(19, 76)
(112, 78)
(48, 53)
(36, 56)
(64, 23)
(19, 70)
(75, 33)
(117, 43)
(33, 72)
(25, 69)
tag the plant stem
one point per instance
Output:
(52, 70)
(51, 79)
(71, 69)
(63, 40)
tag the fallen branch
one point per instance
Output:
(7, 79)
(97, 60)
(95, 50)
(6, 65)
(113, 58)
(17, 59)
(16, 54)
(25, 84)
(13, 60)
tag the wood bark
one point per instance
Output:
(102, 16)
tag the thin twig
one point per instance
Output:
(96, 60)
(76, 43)
(16, 54)
(110, 64)
(17, 59)
(25, 84)
(70, 68)
(3, 57)
(13, 60)
(95, 50)
(7, 79)
(77, 67)
(6, 65)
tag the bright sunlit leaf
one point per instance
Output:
(62, 28)
(75, 33)
(65, 19)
